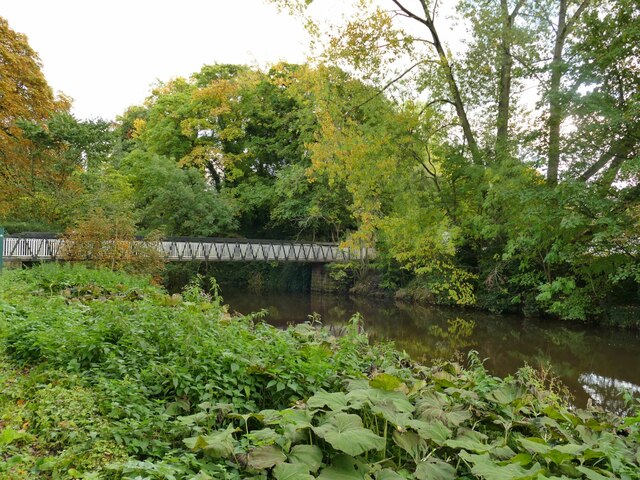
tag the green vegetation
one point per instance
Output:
(254, 277)
(502, 174)
(106, 376)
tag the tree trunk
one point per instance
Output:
(453, 88)
(564, 27)
(555, 105)
(504, 86)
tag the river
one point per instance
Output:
(591, 362)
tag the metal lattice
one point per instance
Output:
(208, 250)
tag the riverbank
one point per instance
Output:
(107, 376)
(367, 282)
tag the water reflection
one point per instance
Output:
(591, 362)
(605, 390)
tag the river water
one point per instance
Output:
(591, 362)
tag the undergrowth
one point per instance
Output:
(105, 376)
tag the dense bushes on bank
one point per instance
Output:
(106, 376)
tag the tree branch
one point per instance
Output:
(409, 13)
(576, 16)
(433, 102)
(616, 154)
(387, 86)
(516, 10)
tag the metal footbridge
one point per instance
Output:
(35, 248)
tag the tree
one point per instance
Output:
(26, 100)
(174, 200)
(459, 137)
(247, 131)
(564, 26)
(25, 95)
(25, 92)
(605, 98)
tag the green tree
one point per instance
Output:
(247, 132)
(478, 200)
(174, 200)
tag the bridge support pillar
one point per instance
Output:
(321, 281)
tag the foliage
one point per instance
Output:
(447, 172)
(26, 96)
(246, 130)
(502, 174)
(176, 200)
(109, 241)
(106, 376)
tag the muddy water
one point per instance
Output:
(592, 362)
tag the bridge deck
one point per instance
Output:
(210, 250)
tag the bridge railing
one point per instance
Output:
(237, 250)
(20, 248)
(211, 250)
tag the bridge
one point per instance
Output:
(39, 247)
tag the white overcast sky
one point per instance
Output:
(107, 54)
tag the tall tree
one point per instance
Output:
(564, 26)
(24, 94)
(27, 103)
(508, 18)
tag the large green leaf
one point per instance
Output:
(505, 394)
(451, 417)
(264, 436)
(375, 396)
(389, 412)
(483, 466)
(298, 418)
(435, 469)
(344, 467)
(591, 474)
(435, 430)
(308, 455)
(388, 474)
(345, 433)
(411, 443)
(431, 399)
(469, 440)
(265, 457)
(384, 381)
(457, 416)
(9, 435)
(535, 445)
(269, 416)
(218, 444)
(291, 471)
(336, 401)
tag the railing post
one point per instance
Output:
(1, 248)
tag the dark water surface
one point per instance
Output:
(592, 362)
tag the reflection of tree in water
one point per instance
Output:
(453, 340)
(570, 341)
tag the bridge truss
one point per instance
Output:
(46, 248)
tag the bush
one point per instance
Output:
(109, 241)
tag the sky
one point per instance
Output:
(106, 55)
